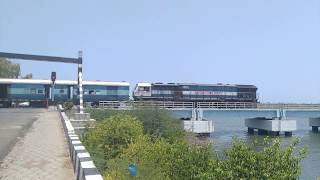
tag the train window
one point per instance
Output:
(32, 91)
(144, 89)
(61, 91)
(155, 92)
(98, 92)
(76, 92)
(40, 91)
(91, 92)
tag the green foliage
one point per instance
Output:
(272, 162)
(68, 105)
(142, 153)
(149, 139)
(110, 137)
(9, 69)
(28, 76)
(159, 123)
(159, 159)
(156, 122)
(102, 114)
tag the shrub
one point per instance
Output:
(272, 162)
(102, 114)
(68, 105)
(159, 159)
(159, 123)
(156, 122)
(152, 140)
(110, 137)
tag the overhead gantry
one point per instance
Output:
(57, 59)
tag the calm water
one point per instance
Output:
(231, 124)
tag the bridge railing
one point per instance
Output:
(202, 105)
(226, 105)
(287, 106)
(146, 104)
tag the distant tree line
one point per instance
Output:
(9, 69)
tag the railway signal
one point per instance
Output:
(53, 79)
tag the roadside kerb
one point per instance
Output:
(83, 164)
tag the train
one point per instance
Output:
(42, 92)
(192, 92)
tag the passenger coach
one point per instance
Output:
(37, 92)
(195, 92)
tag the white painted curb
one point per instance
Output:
(84, 167)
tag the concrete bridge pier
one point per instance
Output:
(250, 130)
(275, 133)
(269, 126)
(197, 124)
(288, 133)
(315, 124)
(315, 128)
(262, 132)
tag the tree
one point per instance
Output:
(9, 69)
(28, 76)
(244, 161)
(137, 137)
(159, 123)
(110, 137)
(156, 122)
(159, 159)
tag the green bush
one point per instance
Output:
(155, 142)
(68, 105)
(243, 161)
(159, 159)
(110, 137)
(102, 114)
(159, 123)
(156, 122)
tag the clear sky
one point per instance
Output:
(273, 44)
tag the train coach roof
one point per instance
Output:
(61, 82)
(196, 84)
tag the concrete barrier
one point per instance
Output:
(84, 167)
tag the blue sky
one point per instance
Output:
(273, 44)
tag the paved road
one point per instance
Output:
(42, 153)
(14, 123)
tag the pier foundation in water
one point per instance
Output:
(270, 126)
(315, 124)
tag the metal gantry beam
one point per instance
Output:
(53, 59)
(41, 58)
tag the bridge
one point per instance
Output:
(199, 112)
(174, 105)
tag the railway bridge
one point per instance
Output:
(199, 111)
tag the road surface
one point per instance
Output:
(14, 123)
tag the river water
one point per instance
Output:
(229, 124)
